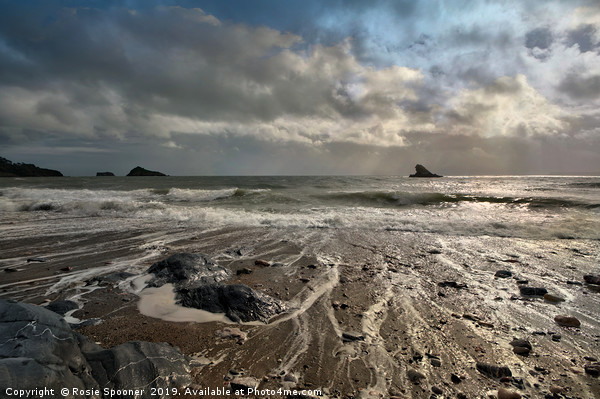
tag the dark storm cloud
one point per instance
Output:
(579, 87)
(584, 37)
(541, 38)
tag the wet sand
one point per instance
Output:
(408, 334)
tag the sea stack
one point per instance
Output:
(105, 174)
(423, 172)
(139, 171)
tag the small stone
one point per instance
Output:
(592, 279)
(290, 378)
(592, 369)
(455, 379)
(556, 337)
(493, 371)
(522, 282)
(573, 282)
(521, 346)
(567, 321)
(532, 291)
(437, 390)
(503, 274)
(352, 336)
(556, 390)
(261, 262)
(436, 362)
(506, 394)
(245, 270)
(590, 359)
(414, 376)
(520, 350)
(553, 298)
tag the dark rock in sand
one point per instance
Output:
(567, 321)
(111, 278)
(104, 174)
(245, 270)
(553, 298)
(452, 284)
(593, 369)
(533, 291)
(421, 171)
(414, 376)
(503, 274)
(139, 171)
(592, 279)
(62, 307)
(521, 347)
(556, 337)
(455, 379)
(506, 394)
(493, 371)
(352, 336)
(187, 269)
(10, 169)
(40, 349)
(36, 260)
(239, 302)
(260, 262)
(569, 282)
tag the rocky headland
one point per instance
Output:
(11, 169)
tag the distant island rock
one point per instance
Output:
(10, 169)
(105, 174)
(139, 171)
(423, 172)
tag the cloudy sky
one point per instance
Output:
(302, 87)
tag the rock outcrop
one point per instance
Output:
(40, 349)
(199, 283)
(105, 174)
(10, 169)
(139, 171)
(421, 171)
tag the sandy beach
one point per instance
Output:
(391, 314)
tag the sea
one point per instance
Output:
(530, 207)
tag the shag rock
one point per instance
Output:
(105, 174)
(239, 302)
(533, 291)
(10, 169)
(421, 171)
(567, 321)
(39, 347)
(139, 171)
(185, 269)
(503, 274)
(493, 371)
(62, 307)
(592, 279)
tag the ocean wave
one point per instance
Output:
(394, 198)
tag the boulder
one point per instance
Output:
(139, 171)
(239, 302)
(187, 269)
(593, 369)
(40, 349)
(506, 394)
(521, 346)
(199, 283)
(105, 174)
(421, 171)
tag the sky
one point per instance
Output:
(308, 87)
